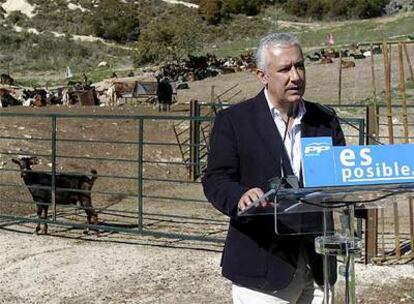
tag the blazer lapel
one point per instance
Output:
(308, 129)
(266, 127)
(269, 134)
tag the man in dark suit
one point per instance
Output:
(245, 152)
(164, 94)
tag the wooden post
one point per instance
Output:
(405, 122)
(396, 230)
(371, 224)
(403, 92)
(387, 80)
(411, 215)
(374, 96)
(383, 234)
(410, 66)
(340, 79)
(212, 100)
(374, 85)
(372, 125)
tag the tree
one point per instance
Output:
(368, 8)
(168, 39)
(211, 10)
(334, 9)
(116, 20)
(17, 18)
(339, 9)
(317, 9)
(297, 8)
(248, 7)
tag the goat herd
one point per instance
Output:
(194, 68)
(327, 55)
(16, 96)
(191, 69)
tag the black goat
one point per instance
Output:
(39, 184)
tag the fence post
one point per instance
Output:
(403, 92)
(140, 173)
(340, 80)
(410, 66)
(53, 160)
(387, 91)
(374, 85)
(411, 216)
(194, 171)
(372, 119)
(371, 224)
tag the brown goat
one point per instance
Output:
(346, 64)
(6, 79)
(325, 60)
(70, 189)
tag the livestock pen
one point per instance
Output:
(143, 185)
(139, 170)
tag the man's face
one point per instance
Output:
(284, 76)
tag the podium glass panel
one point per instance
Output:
(302, 210)
(328, 214)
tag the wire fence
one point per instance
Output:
(143, 183)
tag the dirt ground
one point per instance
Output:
(69, 267)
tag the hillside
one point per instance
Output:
(40, 38)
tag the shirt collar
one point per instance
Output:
(276, 113)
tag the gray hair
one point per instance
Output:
(273, 40)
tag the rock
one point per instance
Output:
(102, 64)
(396, 6)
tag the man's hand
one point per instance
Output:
(249, 196)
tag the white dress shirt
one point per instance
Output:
(292, 141)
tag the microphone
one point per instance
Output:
(291, 113)
(332, 112)
(282, 146)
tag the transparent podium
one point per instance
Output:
(327, 213)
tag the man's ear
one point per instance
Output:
(262, 77)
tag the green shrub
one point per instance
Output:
(368, 8)
(248, 7)
(297, 7)
(168, 39)
(211, 10)
(116, 20)
(317, 9)
(333, 9)
(339, 9)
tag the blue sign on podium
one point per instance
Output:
(326, 165)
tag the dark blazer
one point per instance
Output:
(245, 153)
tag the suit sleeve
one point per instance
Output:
(338, 134)
(221, 181)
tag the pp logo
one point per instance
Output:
(315, 149)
